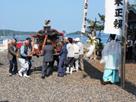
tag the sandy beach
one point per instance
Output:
(82, 86)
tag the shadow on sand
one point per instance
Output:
(4, 101)
(1, 64)
(36, 70)
(93, 72)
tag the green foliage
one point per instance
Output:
(97, 25)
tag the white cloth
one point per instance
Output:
(76, 65)
(81, 47)
(24, 65)
(76, 50)
(70, 49)
(91, 50)
(111, 55)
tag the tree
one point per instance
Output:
(96, 25)
(93, 27)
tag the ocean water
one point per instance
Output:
(102, 36)
(21, 37)
(18, 37)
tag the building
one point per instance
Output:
(132, 22)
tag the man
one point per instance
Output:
(129, 48)
(81, 53)
(62, 59)
(47, 53)
(76, 54)
(24, 59)
(12, 57)
(30, 58)
(111, 57)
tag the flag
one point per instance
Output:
(114, 16)
(83, 29)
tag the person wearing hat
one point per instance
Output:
(111, 57)
(24, 57)
(76, 55)
(81, 53)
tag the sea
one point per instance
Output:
(102, 36)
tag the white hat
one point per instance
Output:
(77, 39)
(65, 37)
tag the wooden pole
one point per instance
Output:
(124, 38)
(44, 42)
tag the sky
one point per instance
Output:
(29, 15)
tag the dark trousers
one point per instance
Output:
(129, 53)
(61, 66)
(56, 58)
(47, 68)
(29, 69)
(70, 62)
(13, 66)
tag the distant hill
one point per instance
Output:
(13, 32)
(77, 32)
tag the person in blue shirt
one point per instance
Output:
(62, 59)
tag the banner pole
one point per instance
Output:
(124, 38)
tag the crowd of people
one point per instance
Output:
(70, 57)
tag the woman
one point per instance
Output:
(111, 57)
(70, 56)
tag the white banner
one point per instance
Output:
(114, 16)
(83, 29)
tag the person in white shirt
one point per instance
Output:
(81, 53)
(76, 54)
(70, 56)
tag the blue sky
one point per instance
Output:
(29, 15)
